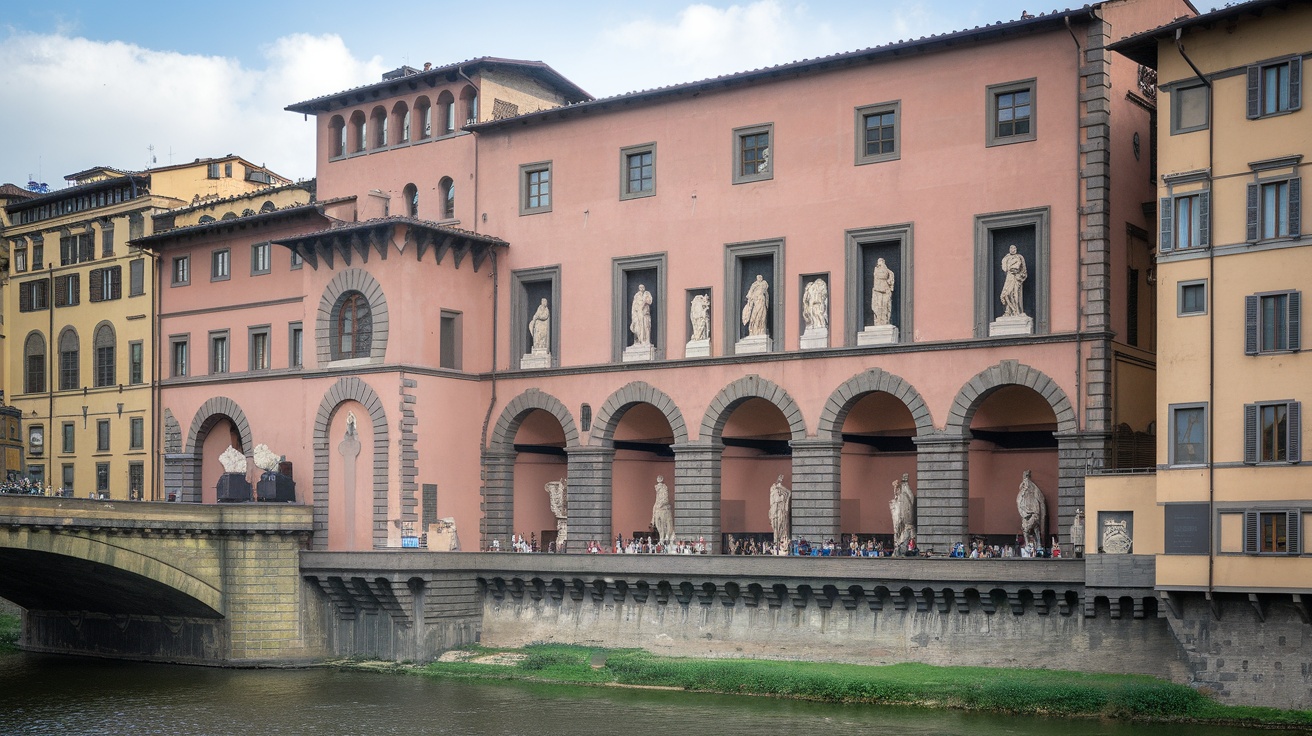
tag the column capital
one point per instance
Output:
(582, 451)
(507, 456)
(942, 439)
(695, 447)
(816, 444)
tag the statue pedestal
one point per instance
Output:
(1021, 324)
(815, 337)
(877, 335)
(233, 488)
(752, 344)
(535, 359)
(697, 349)
(275, 487)
(636, 353)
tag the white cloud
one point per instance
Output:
(72, 103)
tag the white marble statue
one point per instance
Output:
(539, 328)
(662, 515)
(559, 492)
(815, 305)
(903, 508)
(881, 294)
(780, 510)
(1077, 533)
(233, 461)
(1033, 511)
(699, 311)
(757, 307)
(640, 316)
(1012, 297)
(442, 536)
(266, 459)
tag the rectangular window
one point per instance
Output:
(136, 479)
(1191, 298)
(218, 352)
(1011, 113)
(1275, 88)
(178, 346)
(102, 435)
(106, 284)
(1273, 322)
(105, 367)
(1272, 432)
(1189, 109)
(535, 188)
(102, 478)
(297, 261)
(753, 153)
(877, 131)
(136, 433)
(20, 260)
(1274, 532)
(181, 270)
(69, 378)
(259, 258)
(212, 171)
(107, 242)
(296, 345)
(638, 171)
(38, 255)
(76, 249)
(259, 348)
(67, 448)
(1186, 222)
(450, 338)
(33, 295)
(137, 276)
(136, 362)
(68, 290)
(1188, 434)
(220, 265)
(1274, 209)
(67, 476)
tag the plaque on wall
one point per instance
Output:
(1116, 532)
(1188, 528)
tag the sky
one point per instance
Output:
(125, 84)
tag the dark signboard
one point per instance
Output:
(1188, 529)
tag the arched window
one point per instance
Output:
(68, 360)
(378, 121)
(401, 121)
(446, 108)
(268, 206)
(105, 349)
(336, 137)
(424, 115)
(353, 327)
(34, 363)
(469, 104)
(358, 131)
(206, 219)
(411, 196)
(447, 189)
(229, 216)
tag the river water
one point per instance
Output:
(42, 694)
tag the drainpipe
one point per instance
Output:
(496, 284)
(156, 403)
(1211, 313)
(52, 375)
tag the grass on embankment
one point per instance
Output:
(9, 629)
(1029, 692)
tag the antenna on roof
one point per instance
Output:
(151, 149)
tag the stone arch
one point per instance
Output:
(209, 414)
(350, 389)
(503, 434)
(853, 389)
(1007, 373)
(750, 387)
(352, 279)
(636, 392)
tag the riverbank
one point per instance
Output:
(9, 630)
(1019, 692)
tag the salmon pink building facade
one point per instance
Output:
(928, 259)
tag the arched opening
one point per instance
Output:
(268, 206)
(756, 452)
(411, 196)
(469, 105)
(378, 124)
(1012, 431)
(539, 459)
(643, 443)
(424, 117)
(336, 137)
(446, 110)
(401, 121)
(217, 434)
(69, 375)
(358, 131)
(34, 363)
(352, 327)
(350, 478)
(877, 451)
(106, 346)
(447, 191)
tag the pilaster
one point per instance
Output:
(816, 475)
(942, 480)
(589, 476)
(697, 491)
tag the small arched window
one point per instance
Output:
(69, 378)
(469, 104)
(34, 363)
(446, 107)
(358, 131)
(378, 122)
(411, 196)
(353, 327)
(337, 137)
(424, 117)
(401, 121)
(106, 345)
(447, 189)
(268, 206)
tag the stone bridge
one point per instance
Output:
(215, 584)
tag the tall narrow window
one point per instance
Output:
(411, 196)
(69, 433)
(353, 336)
(259, 258)
(219, 352)
(259, 348)
(181, 270)
(1188, 434)
(535, 188)
(136, 362)
(450, 338)
(34, 367)
(296, 345)
(102, 435)
(1185, 221)
(69, 378)
(136, 433)
(137, 277)
(337, 137)
(106, 348)
(447, 190)
(180, 357)
(220, 265)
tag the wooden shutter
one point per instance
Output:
(1204, 219)
(61, 291)
(1295, 207)
(1165, 211)
(86, 247)
(1295, 320)
(1250, 532)
(25, 296)
(1250, 433)
(1294, 432)
(115, 283)
(1254, 92)
(1251, 305)
(107, 241)
(1295, 83)
(1252, 212)
(74, 288)
(97, 285)
(364, 331)
(1293, 534)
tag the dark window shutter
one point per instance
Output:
(115, 282)
(74, 288)
(1293, 534)
(1295, 320)
(1295, 83)
(97, 285)
(1294, 430)
(1295, 207)
(61, 291)
(364, 339)
(1250, 433)
(25, 297)
(1165, 211)
(1204, 219)
(1250, 325)
(1250, 532)
(107, 241)
(86, 247)
(1254, 92)
(1252, 213)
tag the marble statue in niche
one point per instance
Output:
(780, 510)
(662, 514)
(1033, 511)
(903, 509)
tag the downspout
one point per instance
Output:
(496, 278)
(52, 375)
(1079, 325)
(1211, 314)
(155, 400)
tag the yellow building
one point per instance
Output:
(78, 303)
(1219, 529)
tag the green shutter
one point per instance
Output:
(1295, 207)
(1252, 212)
(1295, 323)
(1295, 83)
(1251, 304)
(1250, 433)
(1204, 219)
(1254, 92)
(1294, 432)
(1250, 532)
(1293, 535)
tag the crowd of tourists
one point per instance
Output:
(978, 550)
(747, 545)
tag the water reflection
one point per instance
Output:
(66, 695)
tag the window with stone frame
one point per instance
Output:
(1185, 221)
(351, 327)
(1275, 88)
(136, 362)
(69, 355)
(638, 171)
(1273, 532)
(1273, 432)
(34, 363)
(106, 284)
(106, 355)
(1274, 209)
(1189, 108)
(753, 153)
(102, 435)
(1011, 112)
(1273, 322)
(535, 188)
(878, 132)
(1188, 427)
(34, 295)
(68, 290)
